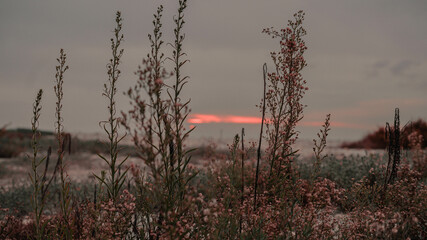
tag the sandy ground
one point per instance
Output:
(81, 166)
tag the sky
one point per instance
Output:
(365, 58)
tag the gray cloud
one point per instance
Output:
(375, 69)
(401, 68)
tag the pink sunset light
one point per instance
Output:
(211, 118)
(205, 118)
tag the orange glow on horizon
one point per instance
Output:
(241, 119)
(204, 118)
(211, 118)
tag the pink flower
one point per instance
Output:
(158, 81)
(206, 211)
(394, 230)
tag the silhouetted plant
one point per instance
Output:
(37, 201)
(286, 88)
(180, 109)
(264, 70)
(65, 199)
(115, 179)
(149, 126)
(393, 149)
(320, 146)
(242, 173)
(156, 125)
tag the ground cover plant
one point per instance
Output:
(250, 192)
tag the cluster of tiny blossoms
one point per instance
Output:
(285, 90)
(107, 220)
(419, 158)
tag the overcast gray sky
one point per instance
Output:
(364, 59)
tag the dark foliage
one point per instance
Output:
(377, 140)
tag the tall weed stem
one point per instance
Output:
(115, 179)
(65, 183)
(264, 70)
(319, 147)
(37, 201)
